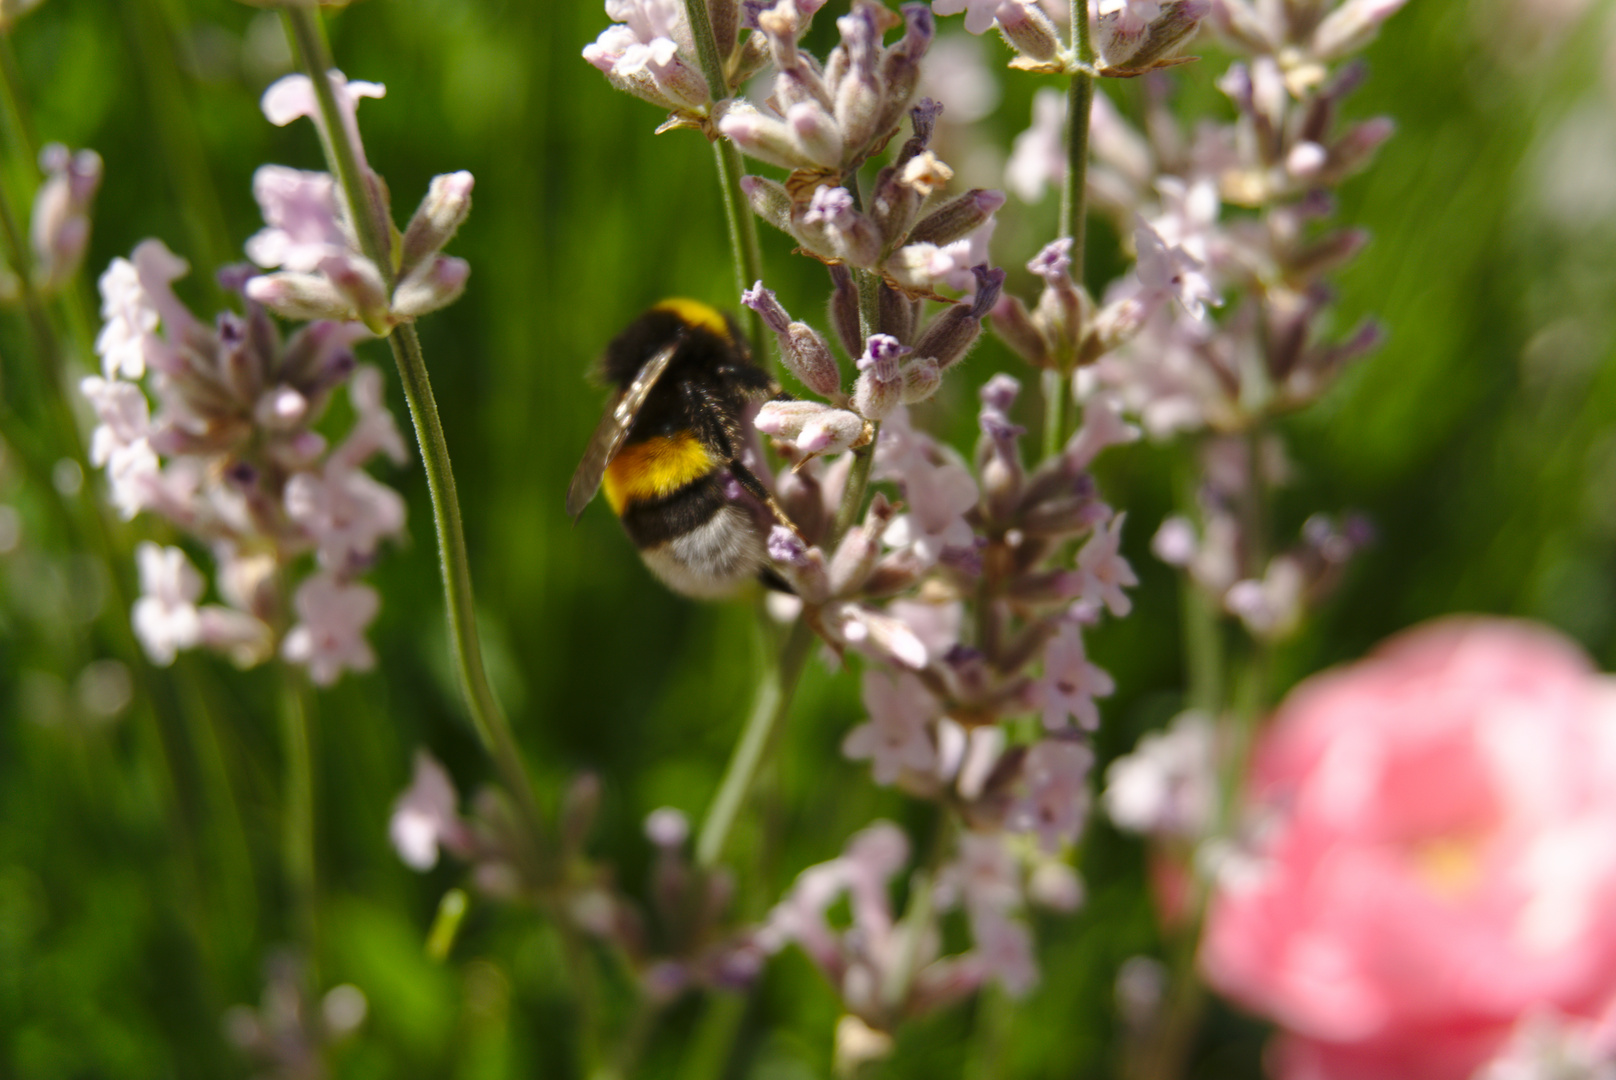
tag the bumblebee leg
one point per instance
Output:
(754, 486)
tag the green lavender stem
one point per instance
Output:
(1073, 204)
(743, 235)
(297, 821)
(1079, 103)
(488, 718)
(1055, 389)
(769, 711)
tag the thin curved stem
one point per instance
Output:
(743, 235)
(488, 718)
(769, 711)
(297, 822)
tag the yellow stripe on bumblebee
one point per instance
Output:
(655, 468)
(695, 313)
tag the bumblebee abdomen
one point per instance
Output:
(656, 468)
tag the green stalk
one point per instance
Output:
(1054, 385)
(1079, 103)
(743, 235)
(297, 822)
(488, 718)
(769, 711)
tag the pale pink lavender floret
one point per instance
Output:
(897, 735)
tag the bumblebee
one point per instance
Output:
(669, 446)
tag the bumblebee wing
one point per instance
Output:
(613, 429)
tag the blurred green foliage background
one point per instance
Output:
(1481, 440)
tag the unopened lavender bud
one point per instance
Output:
(802, 565)
(953, 332)
(816, 134)
(357, 278)
(801, 348)
(1350, 27)
(1289, 317)
(1016, 329)
(1331, 253)
(957, 218)
(808, 355)
(895, 313)
(768, 306)
(844, 310)
(1029, 31)
(769, 199)
(923, 119)
(725, 16)
(447, 202)
(921, 379)
(764, 137)
(879, 389)
(1126, 51)
(1352, 151)
(299, 296)
(831, 218)
(580, 804)
(434, 284)
(814, 427)
(893, 204)
(860, 550)
(900, 68)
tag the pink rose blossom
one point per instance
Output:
(1438, 859)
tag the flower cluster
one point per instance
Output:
(291, 1032)
(231, 457)
(967, 584)
(680, 943)
(312, 237)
